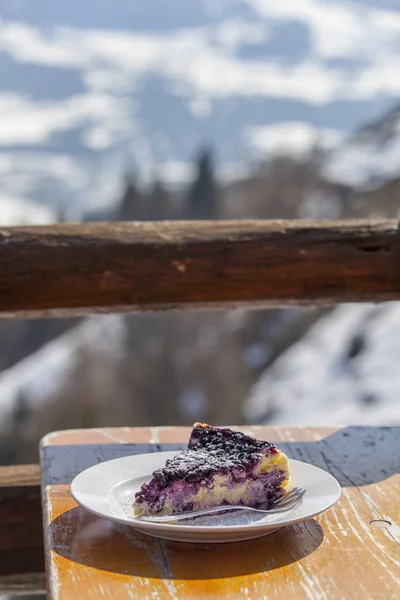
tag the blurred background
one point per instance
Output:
(209, 109)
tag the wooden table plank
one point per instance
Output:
(340, 554)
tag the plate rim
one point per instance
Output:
(209, 529)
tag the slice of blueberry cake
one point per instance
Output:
(220, 466)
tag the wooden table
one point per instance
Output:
(352, 551)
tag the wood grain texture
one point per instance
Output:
(23, 584)
(19, 475)
(341, 554)
(21, 530)
(76, 269)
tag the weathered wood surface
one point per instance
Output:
(351, 551)
(23, 584)
(21, 530)
(76, 269)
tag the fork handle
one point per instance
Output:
(284, 504)
(192, 513)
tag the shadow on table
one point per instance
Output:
(355, 456)
(106, 546)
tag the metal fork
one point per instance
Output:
(282, 504)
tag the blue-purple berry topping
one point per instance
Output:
(211, 450)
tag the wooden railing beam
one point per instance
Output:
(73, 269)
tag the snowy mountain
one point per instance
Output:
(369, 158)
(89, 89)
(344, 371)
(47, 389)
(174, 367)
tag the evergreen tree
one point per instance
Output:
(201, 202)
(61, 215)
(157, 202)
(129, 208)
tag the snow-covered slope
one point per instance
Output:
(370, 157)
(46, 391)
(41, 374)
(346, 370)
(14, 211)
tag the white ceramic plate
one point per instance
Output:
(108, 490)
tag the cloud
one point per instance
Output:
(338, 29)
(23, 121)
(82, 49)
(62, 166)
(233, 33)
(27, 44)
(209, 69)
(204, 63)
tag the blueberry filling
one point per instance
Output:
(215, 457)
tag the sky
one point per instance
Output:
(91, 90)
